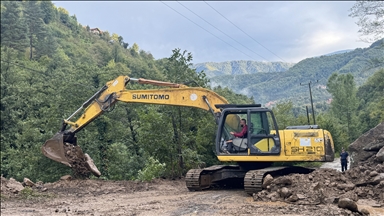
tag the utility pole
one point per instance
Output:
(310, 94)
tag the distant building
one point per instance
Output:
(96, 31)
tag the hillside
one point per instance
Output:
(213, 69)
(51, 65)
(266, 86)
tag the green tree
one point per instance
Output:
(371, 97)
(344, 101)
(35, 23)
(49, 11)
(13, 26)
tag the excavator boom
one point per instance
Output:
(63, 143)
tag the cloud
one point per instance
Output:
(290, 31)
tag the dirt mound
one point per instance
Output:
(10, 187)
(327, 187)
(76, 158)
(364, 150)
(364, 181)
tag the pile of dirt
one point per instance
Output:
(12, 188)
(368, 149)
(326, 186)
(76, 158)
(363, 183)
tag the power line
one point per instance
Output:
(244, 32)
(206, 30)
(221, 31)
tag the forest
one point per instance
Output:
(51, 64)
(284, 80)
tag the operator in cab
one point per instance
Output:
(239, 136)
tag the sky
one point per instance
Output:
(218, 31)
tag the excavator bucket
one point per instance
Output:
(54, 149)
(69, 155)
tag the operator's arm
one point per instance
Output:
(242, 132)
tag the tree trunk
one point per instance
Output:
(30, 47)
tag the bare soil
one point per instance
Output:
(317, 193)
(159, 197)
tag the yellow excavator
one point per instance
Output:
(261, 145)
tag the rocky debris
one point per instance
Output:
(14, 186)
(78, 161)
(348, 204)
(362, 184)
(11, 187)
(368, 202)
(364, 211)
(368, 146)
(28, 182)
(267, 180)
(66, 178)
(380, 155)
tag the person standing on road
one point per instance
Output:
(344, 160)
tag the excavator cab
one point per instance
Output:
(262, 137)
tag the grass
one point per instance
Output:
(29, 193)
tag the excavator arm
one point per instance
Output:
(104, 100)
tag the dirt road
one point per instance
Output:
(160, 197)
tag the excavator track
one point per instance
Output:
(192, 179)
(199, 179)
(253, 180)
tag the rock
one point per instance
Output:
(368, 202)
(373, 173)
(310, 177)
(300, 196)
(44, 189)
(331, 200)
(267, 180)
(346, 187)
(349, 187)
(14, 186)
(293, 198)
(378, 178)
(381, 184)
(316, 186)
(347, 204)
(355, 150)
(380, 155)
(283, 181)
(28, 182)
(66, 178)
(374, 146)
(285, 192)
(273, 195)
(364, 211)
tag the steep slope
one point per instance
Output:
(213, 69)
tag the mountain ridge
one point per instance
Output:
(268, 86)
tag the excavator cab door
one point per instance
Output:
(262, 136)
(263, 133)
